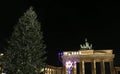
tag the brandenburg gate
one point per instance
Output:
(87, 55)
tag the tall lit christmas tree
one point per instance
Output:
(25, 53)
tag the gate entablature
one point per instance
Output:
(87, 54)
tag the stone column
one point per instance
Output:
(111, 67)
(63, 70)
(66, 71)
(102, 67)
(82, 67)
(55, 71)
(50, 71)
(117, 72)
(94, 67)
(74, 69)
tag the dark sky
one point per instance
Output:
(66, 23)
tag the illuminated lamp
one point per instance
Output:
(69, 66)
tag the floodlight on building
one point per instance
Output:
(74, 53)
(65, 53)
(69, 64)
(79, 52)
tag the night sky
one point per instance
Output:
(66, 23)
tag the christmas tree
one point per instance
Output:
(25, 53)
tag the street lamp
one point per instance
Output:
(1, 54)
